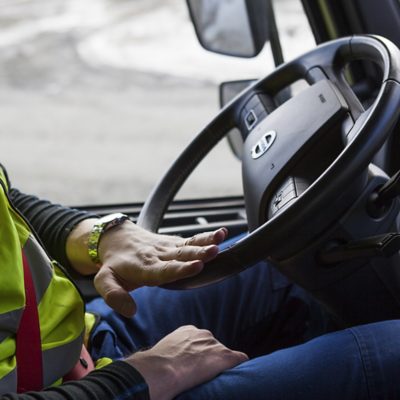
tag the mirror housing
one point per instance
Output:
(235, 27)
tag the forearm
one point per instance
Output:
(118, 380)
(77, 248)
(53, 223)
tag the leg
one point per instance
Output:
(358, 363)
(257, 312)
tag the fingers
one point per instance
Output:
(206, 238)
(171, 271)
(180, 261)
(222, 356)
(220, 235)
(191, 253)
(214, 353)
(234, 358)
(113, 293)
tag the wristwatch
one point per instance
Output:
(102, 225)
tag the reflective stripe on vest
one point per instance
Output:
(59, 305)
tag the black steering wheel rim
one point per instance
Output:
(370, 134)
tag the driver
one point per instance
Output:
(254, 331)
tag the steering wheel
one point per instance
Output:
(304, 161)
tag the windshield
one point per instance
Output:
(99, 97)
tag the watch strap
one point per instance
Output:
(102, 225)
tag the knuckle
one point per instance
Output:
(207, 333)
(202, 251)
(145, 256)
(179, 252)
(233, 356)
(188, 327)
(227, 352)
(228, 356)
(190, 240)
(159, 248)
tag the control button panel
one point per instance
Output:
(250, 119)
(290, 190)
(255, 110)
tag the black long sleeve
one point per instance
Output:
(51, 222)
(116, 381)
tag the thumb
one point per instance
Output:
(113, 293)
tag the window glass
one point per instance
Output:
(99, 97)
(294, 29)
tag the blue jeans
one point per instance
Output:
(357, 363)
(261, 313)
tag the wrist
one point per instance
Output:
(160, 376)
(100, 227)
(76, 247)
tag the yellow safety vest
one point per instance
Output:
(59, 304)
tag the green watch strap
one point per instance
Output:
(102, 225)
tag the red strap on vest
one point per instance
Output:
(28, 342)
(29, 348)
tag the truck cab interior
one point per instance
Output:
(317, 139)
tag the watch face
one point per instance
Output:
(111, 220)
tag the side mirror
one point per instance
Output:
(232, 27)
